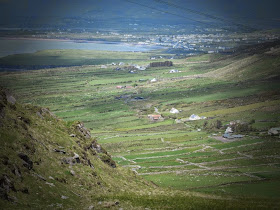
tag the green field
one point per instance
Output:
(184, 156)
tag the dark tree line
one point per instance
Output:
(157, 64)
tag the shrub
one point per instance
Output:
(214, 124)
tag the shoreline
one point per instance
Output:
(24, 44)
(56, 39)
(76, 41)
(148, 47)
(33, 38)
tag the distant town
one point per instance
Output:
(176, 39)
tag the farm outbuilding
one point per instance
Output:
(174, 111)
(173, 71)
(155, 117)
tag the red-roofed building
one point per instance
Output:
(155, 117)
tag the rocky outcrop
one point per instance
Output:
(26, 161)
(6, 185)
(96, 149)
(83, 130)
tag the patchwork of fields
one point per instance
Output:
(174, 152)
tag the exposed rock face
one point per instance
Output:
(26, 161)
(16, 171)
(59, 151)
(95, 148)
(72, 160)
(6, 185)
(83, 130)
(6, 97)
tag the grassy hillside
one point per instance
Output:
(49, 163)
(176, 154)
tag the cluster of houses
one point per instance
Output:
(158, 117)
(132, 67)
(122, 64)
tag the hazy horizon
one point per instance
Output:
(116, 14)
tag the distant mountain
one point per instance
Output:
(135, 15)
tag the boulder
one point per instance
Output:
(46, 111)
(71, 160)
(50, 184)
(274, 131)
(91, 207)
(110, 204)
(39, 115)
(64, 197)
(76, 158)
(59, 151)
(68, 160)
(11, 99)
(72, 172)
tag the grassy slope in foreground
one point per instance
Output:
(36, 147)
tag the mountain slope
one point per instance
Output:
(256, 62)
(47, 163)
